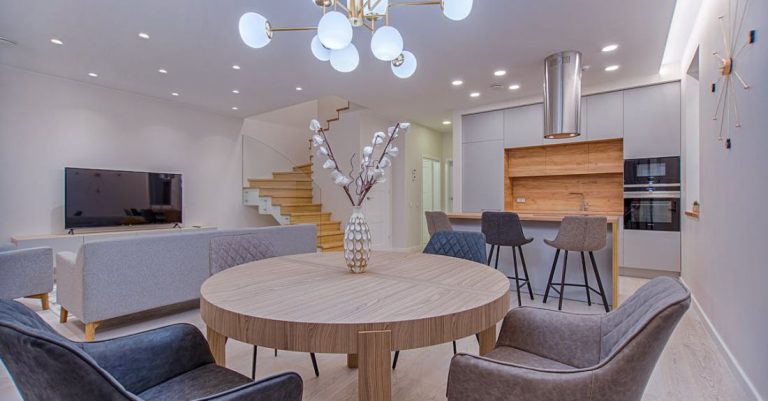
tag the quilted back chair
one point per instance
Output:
(458, 244)
(543, 354)
(169, 363)
(437, 221)
(232, 250)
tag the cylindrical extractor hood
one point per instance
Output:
(562, 95)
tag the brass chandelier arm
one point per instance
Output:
(302, 28)
(417, 3)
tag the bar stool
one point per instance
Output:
(437, 221)
(505, 229)
(578, 234)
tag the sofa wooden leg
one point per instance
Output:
(90, 330)
(64, 315)
(43, 300)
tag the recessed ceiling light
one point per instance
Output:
(474, 94)
(143, 35)
(446, 122)
(93, 74)
(235, 91)
(299, 88)
(457, 82)
(57, 41)
(514, 87)
(234, 108)
(612, 68)
(174, 94)
(162, 71)
(500, 73)
(610, 48)
(586, 67)
(235, 67)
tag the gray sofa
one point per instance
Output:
(118, 277)
(26, 273)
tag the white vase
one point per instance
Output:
(357, 242)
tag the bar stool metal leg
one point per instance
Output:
(394, 363)
(517, 277)
(562, 282)
(314, 364)
(253, 364)
(599, 282)
(490, 255)
(525, 271)
(551, 276)
(586, 281)
(498, 251)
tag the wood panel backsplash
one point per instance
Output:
(549, 178)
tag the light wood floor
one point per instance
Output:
(691, 367)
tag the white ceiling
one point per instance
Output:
(197, 42)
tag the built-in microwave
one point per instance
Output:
(652, 171)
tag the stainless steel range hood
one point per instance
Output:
(562, 95)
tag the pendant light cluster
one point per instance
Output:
(335, 31)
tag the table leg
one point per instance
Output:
(374, 374)
(487, 340)
(352, 361)
(218, 344)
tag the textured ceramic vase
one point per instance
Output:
(357, 242)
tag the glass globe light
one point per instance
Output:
(346, 59)
(380, 9)
(405, 65)
(255, 30)
(386, 43)
(457, 10)
(320, 52)
(322, 3)
(334, 30)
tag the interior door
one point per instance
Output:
(430, 192)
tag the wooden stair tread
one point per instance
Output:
(298, 214)
(329, 233)
(297, 179)
(339, 244)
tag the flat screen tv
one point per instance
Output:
(110, 198)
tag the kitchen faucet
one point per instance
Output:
(584, 203)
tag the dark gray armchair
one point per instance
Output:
(172, 363)
(557, 356)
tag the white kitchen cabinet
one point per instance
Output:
(524, 126)
(487, 126)
(653, 250)
(606, 116)
(482, 176)
(652, 121)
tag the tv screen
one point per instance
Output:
(109, 198)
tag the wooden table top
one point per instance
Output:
(312, 303)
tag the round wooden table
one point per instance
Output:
(311, 303)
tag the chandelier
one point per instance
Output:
(333, 41)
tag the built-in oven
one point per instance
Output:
(652, 171)
(652, 210)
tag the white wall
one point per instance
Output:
(48, 123)
(724, 252)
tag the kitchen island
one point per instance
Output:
(539, 256)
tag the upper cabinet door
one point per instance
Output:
(482, 127)
(652, 121)
(606, 116)
(524, 126)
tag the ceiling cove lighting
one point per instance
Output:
(56, 41)
(457, 82)
(612, 68)
(143, 35)
(609, 48)
(336, 28)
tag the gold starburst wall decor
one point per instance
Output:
(731, 26)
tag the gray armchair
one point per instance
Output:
(172, 363)
(26, 273)
(557, 356)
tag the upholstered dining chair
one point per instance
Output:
(457, 244)
(437, 221)
(232, 250)
(543, 354)
(172, 363)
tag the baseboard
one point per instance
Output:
(645, 273)
(746, 384)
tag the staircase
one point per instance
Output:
(287, 197)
